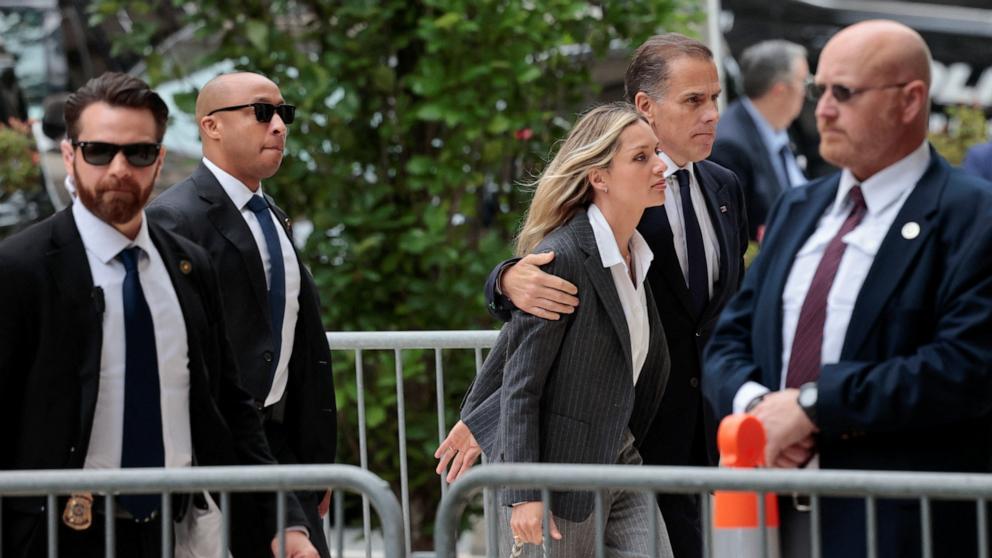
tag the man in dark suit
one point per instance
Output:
(752, 138)
(860, 337)
(698, 239)
(112, 348)
(978, 160)
(271, 306)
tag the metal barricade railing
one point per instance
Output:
(870, 485)
(276, 478)
(398, 341)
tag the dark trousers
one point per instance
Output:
(681, 513)
(140, 540)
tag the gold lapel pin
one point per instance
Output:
(911, 230)
(185, 266)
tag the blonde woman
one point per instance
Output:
(582, 389)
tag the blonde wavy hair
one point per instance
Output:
(563, 188)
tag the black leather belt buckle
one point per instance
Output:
(800, 502)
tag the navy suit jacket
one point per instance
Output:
(978, 161)
(740, 147)
(913, 387)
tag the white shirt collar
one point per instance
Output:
(672, 167)
(236, 190)
(103, 240)
(609, 251)
(886, 186)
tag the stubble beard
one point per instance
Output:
(114, 201)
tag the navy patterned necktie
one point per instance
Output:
(142, 437)
(277, 284)
(698, 283)
(786, 153)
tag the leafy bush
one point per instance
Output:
(19, 166)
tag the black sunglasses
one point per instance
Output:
(842, 93)
(101, 153)
(264, 111)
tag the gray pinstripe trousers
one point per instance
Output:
(627, 533)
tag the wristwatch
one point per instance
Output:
(807, 400)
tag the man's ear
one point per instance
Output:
(158, 165)
(209, 128)
(916, 98)
(645, 106)
(68, 153)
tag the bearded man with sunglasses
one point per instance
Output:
(271, 306)
(861, 335)
(113, 352)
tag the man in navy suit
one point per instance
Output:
(861, 335)
(978, 160)
(698, 238)
(752, 138)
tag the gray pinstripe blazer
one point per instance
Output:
(562, 391)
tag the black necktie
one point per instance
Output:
(277, 284)
(699, 285)
(785, 153)
(142, 440)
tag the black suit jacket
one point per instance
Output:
(683, 431)
(198, 208)
(913, 387)
(562, 391)
(51, 336)
(740, 147)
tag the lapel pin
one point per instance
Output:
(910, 230)
(723, 209)
(185, 267)
(288, 222)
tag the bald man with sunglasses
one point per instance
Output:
(861, 334)
(270, 301)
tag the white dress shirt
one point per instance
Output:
(885, 193)
(632, 297)
(673, 208)
(199, 533)
(240, 195)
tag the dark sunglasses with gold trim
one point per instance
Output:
(99, 153)
(264, 111)
(842, 93)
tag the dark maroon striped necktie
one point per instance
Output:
(807, 346)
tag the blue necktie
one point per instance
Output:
(699, 285)
(785, 153)
(142, 440)
(277, 283)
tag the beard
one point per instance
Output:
(114, 200)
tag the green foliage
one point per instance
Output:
(966, 127)
(19, 166)
(415, 121)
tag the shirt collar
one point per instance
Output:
(886, 186)
(236, 190)
(672, 167)
(609, 252)
(774, 139)
(103, 240)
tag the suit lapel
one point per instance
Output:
(231, 225)
(895, 254)
(801, 215)
(657, 231)
(718, 205)
(602, 281)
(83, 309)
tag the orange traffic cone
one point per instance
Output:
(736, 518)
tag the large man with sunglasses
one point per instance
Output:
(112, 351)
(271, 307)
(862, 335)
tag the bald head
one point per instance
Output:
(887, 49)
(219, 91)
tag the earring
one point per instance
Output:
(606, 189)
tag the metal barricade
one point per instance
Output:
(870, 485)
(398, 341)
(275, 478)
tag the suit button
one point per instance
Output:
(72, 449)
(267, 356)
(694, 382)
(699, 334)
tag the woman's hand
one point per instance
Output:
(459, 449)
(525, 523)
